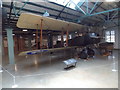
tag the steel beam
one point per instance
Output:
(101, 8)
(108, 16)
(80, 4)
(87, 5)
(79, 8)
(94, 6)
(104, 12)
(62, 10)
(22, 7)
(11, 10)
(97, 7)
(14, 10)
(90, 9)
(114, 16)
(99, 13)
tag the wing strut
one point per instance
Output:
(41, 37)
(37, 37)
(62, 38)
(67, 35)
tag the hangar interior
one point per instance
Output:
(39, 38)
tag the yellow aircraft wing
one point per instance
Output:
(33, 21)
(33, 52)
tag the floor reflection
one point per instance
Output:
(47, 72)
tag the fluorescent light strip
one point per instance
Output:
(25, 30)
(110, 0)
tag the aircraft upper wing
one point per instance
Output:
(33, 21)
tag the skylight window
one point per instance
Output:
(62, 2)
(70, 3)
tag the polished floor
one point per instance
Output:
(32, 72)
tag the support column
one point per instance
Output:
(1, 46)
(118, 41)
(2, 40)
(119, 28)
(10, 46)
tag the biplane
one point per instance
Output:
(32, 21)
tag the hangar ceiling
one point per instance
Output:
(86, 13)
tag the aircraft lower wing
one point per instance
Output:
(33, 52)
